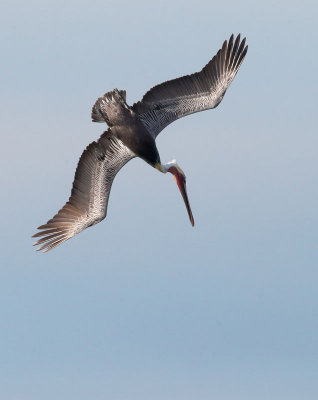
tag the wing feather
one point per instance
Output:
(96, 170)
(189, 94)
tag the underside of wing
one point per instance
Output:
(87, 205)
(200, 91)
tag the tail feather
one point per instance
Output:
(105, 106)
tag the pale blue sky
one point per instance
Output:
(143, 306)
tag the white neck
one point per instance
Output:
(166, 166)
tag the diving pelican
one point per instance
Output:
(132, 132)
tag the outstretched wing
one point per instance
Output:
(200, 91)
(87, 205)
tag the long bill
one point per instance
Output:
(181, 182)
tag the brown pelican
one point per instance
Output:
(132, 133)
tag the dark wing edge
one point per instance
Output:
(200, 91)
(95, 172)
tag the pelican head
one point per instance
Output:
(180, 179)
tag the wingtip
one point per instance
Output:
(42, 226)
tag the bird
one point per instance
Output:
(132, 132)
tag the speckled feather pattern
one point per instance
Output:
(96, 170)
(189, 94)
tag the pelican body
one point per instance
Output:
(132, 133)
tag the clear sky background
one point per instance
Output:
(143, 306)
